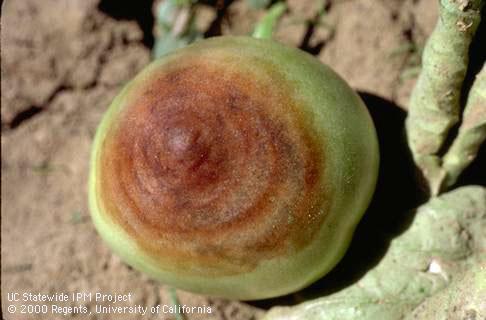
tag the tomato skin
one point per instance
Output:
(224, 119)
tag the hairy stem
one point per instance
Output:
(435, 101)
(472, 131)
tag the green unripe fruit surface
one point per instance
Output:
(234, 167)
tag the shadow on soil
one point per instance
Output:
(139, 11)
(389, 213)
(221, 7)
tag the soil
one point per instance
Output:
(62, 63)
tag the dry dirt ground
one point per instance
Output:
(62, 63)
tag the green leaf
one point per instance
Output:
(258, 4)
(176, 26)
(265, 27)
(445, 238)
(170, 43)
(463, 299)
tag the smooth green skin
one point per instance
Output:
(334, 112)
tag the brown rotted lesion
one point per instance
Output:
(216, 166)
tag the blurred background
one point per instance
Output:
(63, 61)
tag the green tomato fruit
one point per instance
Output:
(235, 167)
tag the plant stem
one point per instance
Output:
(472, 131)
(435, 101)
(175, 302)
(264, 28)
